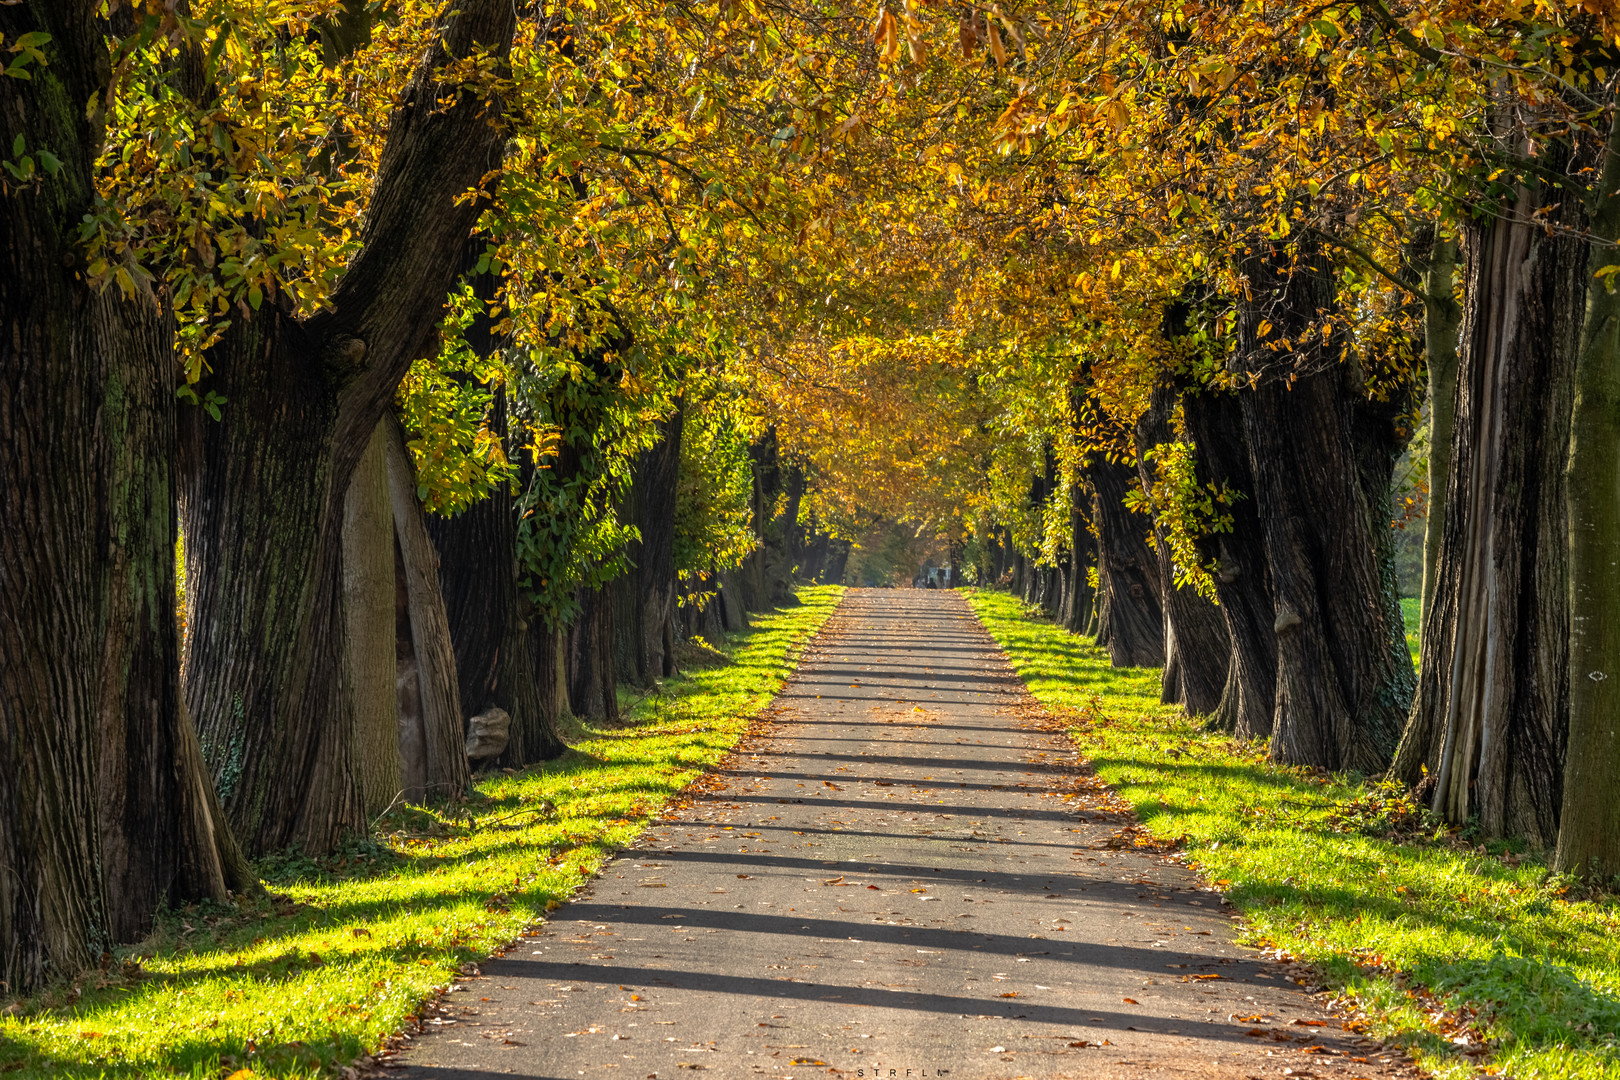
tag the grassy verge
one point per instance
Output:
(348, 947)
(1437, 939)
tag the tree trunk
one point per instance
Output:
(489, 617)
(1442, 320)
(1242, 577)
(549, 652)
(263, 488)
(1130, 620)
(1589, 829)
(732, 612)
(1321, 465)
(1489, 720)
(592, 686)
(104, 812)
(1082, 552)
(432, 728)
(653, 578)
(368, 622)
(1196, 646)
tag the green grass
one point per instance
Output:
(1409, 615)
(1400, 914)
(300, 985)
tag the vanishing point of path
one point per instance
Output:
(888, 881)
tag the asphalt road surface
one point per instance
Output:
(901, 873)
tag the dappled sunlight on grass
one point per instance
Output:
(1402, 913)
(346, 948)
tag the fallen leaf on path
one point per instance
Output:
(1310, 1023)
(874, 887)
(1010, 993)
(1082, 1042)
(1132, 1001)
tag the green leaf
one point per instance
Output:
(255, 297)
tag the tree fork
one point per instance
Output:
(264, 486)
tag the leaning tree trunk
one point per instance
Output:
(263, 488)
(433, 756)
(1589, 830)
(1130, 620)
(1321, 472)
(105, 815)
(1196, 646)
(1242, 576)
(1489, 721)
(368, 623)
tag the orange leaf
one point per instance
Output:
(996, 48)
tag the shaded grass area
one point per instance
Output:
(346, 948)
(1410, 920)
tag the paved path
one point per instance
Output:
(899, 874)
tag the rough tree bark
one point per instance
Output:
(1321, 460)
(262, 492)
(593, 689)
(1488, 723)
(1242, 578)
(369, 646)
(1130, 620)
(490, 617)
(104, 811)
(645, 596)
(1589, 829)
(1197, 649)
